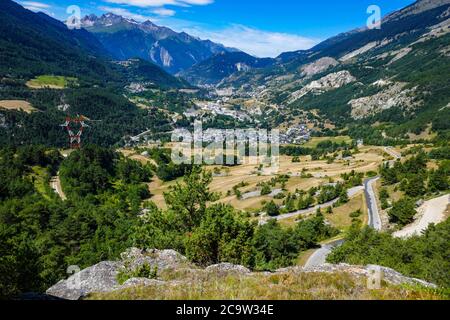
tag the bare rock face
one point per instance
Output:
(319, 66)
(330, 82)
(162, 259)
(228, 268)
(103, 276)
(99, 278)
(393, 96)
(141, 282)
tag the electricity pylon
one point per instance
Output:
(75, 138)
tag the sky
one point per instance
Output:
(263, 28)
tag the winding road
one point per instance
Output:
(393, 153)
(371, 200)
(432, 211)
(319, 257)
(351, 193)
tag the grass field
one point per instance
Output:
(19, 105)
(51, 82)
(315, 141)
(262, 287)
(321, 172)
(340, 218)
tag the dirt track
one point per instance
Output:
(432, 211)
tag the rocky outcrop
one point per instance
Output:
(102, 278)
(99, 278)
(330, 82)
(393, 96)
(161, 259)
(141, 282)
(319, 66)
(228, 268)
(359, 51)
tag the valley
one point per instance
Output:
(357, 172)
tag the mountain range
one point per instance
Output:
(223, 65)
(33, 44)
(396, 74)
(125, 38)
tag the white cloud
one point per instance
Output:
(37, 7)
(126, 14)
(259, 43)
(34, 4)
(160, 3)
(164, 12)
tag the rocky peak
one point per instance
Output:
(149, 24)
(107, 19)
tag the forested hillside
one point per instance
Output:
(42, 235)
(61, 72)
(395, 77)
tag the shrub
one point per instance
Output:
(143, 271)
(403, 211)
(272, 209)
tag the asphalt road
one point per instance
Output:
(374, 214)
(319, 257)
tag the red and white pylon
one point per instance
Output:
(75, 138)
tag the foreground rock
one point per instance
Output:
(228, 268)
(99, 278)
(103, 277)
(388, 275)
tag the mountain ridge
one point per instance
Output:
(34, 44)
(125, 38)
(213, 70)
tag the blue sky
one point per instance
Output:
(259, 27)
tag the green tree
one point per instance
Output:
(415, 186)
(275, 247)
(403, 211)
(343, 198)
(290, 203)
(439, 180)
(305, 202)
(189, 200)
(272, 209)
(265, 190)
(424, 257)
(223, 236)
